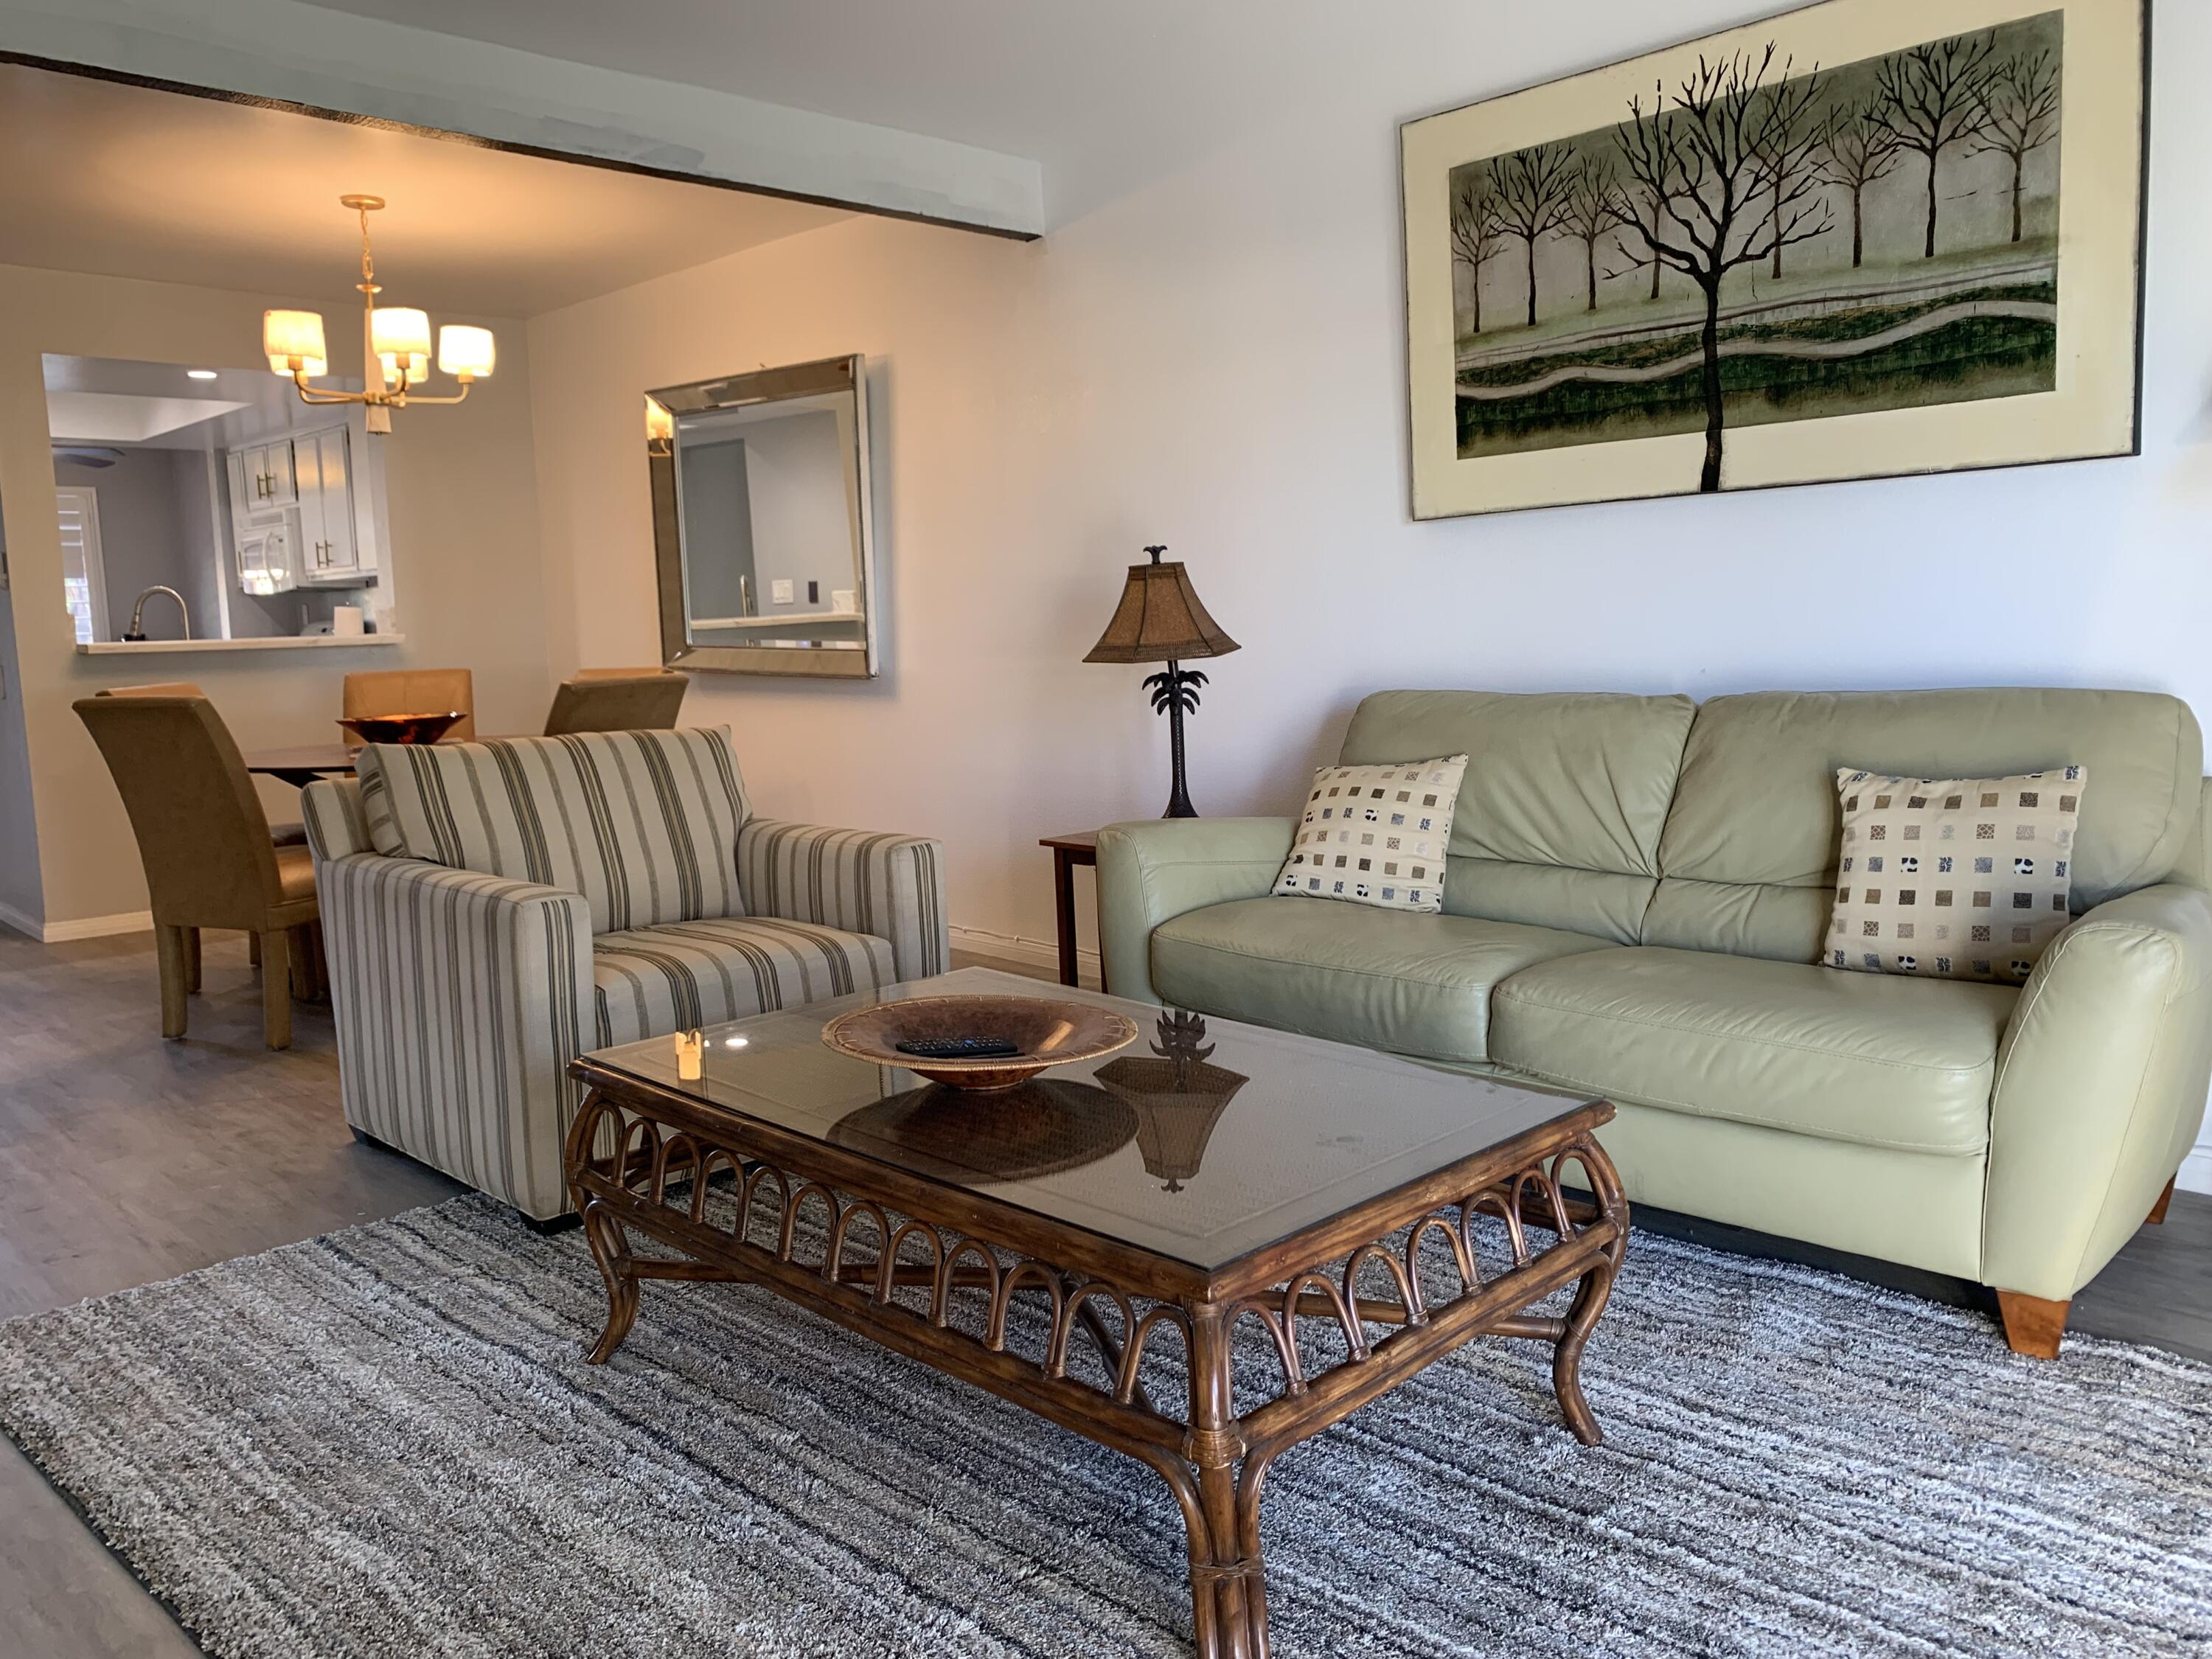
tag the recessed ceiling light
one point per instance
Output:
(199, 374)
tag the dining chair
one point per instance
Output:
(205, 844)
(412, 691)
(617, 700)
(284, 834)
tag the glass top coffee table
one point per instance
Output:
(1199, 1251)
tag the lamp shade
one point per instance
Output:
(465, 352)
(1159, 619)
(399, 332)
(293, 340)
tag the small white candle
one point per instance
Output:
(688, 1048)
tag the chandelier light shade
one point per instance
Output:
(293, 339)
(397, 338)
(399, 330)
(467, 353)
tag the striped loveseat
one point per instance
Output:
(493, 909)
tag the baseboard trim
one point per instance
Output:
(125, 921)
(2195, 1174)
(1031, 952)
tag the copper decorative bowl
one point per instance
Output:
(1046, 1032)
(1046, 1126)
(401, 728)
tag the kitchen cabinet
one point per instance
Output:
(301, 486)
(262, 479)
(331, 554)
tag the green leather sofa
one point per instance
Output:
(1635, 902)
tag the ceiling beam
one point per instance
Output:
(334, 64)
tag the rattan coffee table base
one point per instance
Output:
(890, 1255)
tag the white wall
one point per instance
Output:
(1216, 361)
(462, 508)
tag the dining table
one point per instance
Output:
(300, 764)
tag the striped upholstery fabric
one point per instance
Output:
(460, 1000)
(461, 995)
(648, 981)
(863, 881)
(644, 824)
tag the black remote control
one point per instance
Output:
(957, 1047)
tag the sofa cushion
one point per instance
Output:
(1564, 798)
(1748, 859)
(1869, 1058)
(648, 981)
(644, 824)
(1385, 978)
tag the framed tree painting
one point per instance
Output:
(1862, 238)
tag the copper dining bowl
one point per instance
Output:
(1048, 1032)
(401, 728)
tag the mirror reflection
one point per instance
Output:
(760, 508)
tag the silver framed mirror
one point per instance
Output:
(762, 537)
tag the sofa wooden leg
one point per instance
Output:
(176, 978)
(275, 990)
(2033, 1325)
(2157, 1216)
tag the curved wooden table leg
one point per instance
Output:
(1567, 1357)
(610, 1250)
(1591, 1293)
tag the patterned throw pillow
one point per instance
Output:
(1376, 834)
(1954, 878)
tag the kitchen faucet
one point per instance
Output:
(138, 612)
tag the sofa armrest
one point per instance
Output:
(863, 881)
(2099, 1090)
(460, 1000)
(1152, 871)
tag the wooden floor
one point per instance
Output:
(124, 1159)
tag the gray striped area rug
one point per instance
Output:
(386, 1442)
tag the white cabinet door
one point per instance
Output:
(330, 554)
(277, 471)
(261, 478)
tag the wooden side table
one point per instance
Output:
(1068, 852)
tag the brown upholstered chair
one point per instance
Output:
(204, 841)
(617, 700)
(294, 834)
(413, 691)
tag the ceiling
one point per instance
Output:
(127, 181)
(104, 400)
(1101, 95)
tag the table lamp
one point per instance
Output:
(1160, 620)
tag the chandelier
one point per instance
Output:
(397, 336)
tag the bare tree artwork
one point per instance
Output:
(1935, 97)
(1789, 146)
(1861, 151)
(1707, 205)
(1476, 236)
(1532, 187)
(2020, 109)
(1591, 211)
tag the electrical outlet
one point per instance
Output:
(780, 592)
